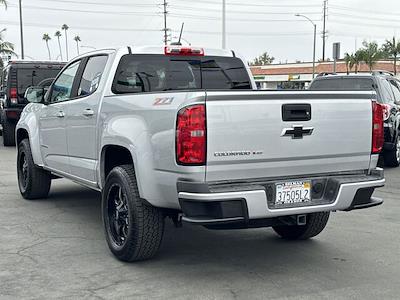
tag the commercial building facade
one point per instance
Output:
(299, 75)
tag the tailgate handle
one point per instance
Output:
(296, 112)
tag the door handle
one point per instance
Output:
(60, 114)
(88, 112)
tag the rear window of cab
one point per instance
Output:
(343, 84)
(138, 73)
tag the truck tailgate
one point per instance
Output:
(247, 136)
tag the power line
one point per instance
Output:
(179, 7)
(44, 25)
(256, 4)
(100, 3)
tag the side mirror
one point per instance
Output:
(35, 94)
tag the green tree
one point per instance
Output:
(65, 28)
(262, 60)
(58, 35)
(46, 37)
(77, 39)
(6, 49)
(391, 49)
(370, 54)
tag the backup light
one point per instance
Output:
(191, 135)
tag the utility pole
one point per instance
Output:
(324, 30)
(165, 12)
(21, 30)
(223, 24)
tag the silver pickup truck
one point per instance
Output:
(181, 132)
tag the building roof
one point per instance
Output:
(325, 67)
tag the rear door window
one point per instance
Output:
(91, 76)
(386, 91)
(154, 73)
(396, 90)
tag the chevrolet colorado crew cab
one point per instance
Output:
(181, 132)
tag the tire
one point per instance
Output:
(134, 229)
(33, 182)
(392, 158)
(316, 222)
(8, 133)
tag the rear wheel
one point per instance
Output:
(134, 229)
(392, 157)
(315, 223)
(8, 133)
(33, 182)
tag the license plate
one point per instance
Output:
(293, 192)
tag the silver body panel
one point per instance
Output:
(73, 146)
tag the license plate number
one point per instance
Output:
(293, 192)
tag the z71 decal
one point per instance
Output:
(163, 101)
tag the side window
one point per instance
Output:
(396, 90)
(62, 87)
(387, 93)
(92, 75)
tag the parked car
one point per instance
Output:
(179, 132)
(387, 88)
(17, 77)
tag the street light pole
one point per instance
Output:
(315, 40)
(21, 30)
(223, 24)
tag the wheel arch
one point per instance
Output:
(111, 156)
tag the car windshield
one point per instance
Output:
(343, 84)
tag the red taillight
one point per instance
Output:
(13, 95)
(185, 51)
(191, 134)
(377, 127)
(386, 111)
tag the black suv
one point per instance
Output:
(387, 88)
(16, 77)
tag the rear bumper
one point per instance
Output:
(12, 113)
(237, 203)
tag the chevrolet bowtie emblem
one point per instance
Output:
(297, 131)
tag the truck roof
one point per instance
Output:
(36, 62)
(161, 50)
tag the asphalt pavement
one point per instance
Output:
(55, 248)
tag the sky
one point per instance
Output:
(253, 26)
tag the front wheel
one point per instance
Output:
(33, 182)
(315, 223)
(134, 229)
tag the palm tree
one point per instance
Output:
(77, 39)
(371, 54)
(391, 49)
(348, 58)
(58, 35)
(4, 2)
(47, 38)
(357, 58)
(6, 48)
(65, 28)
